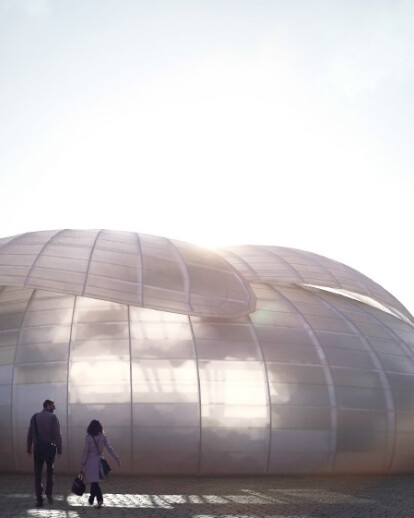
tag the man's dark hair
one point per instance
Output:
(47, 403)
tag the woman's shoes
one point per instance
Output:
(90, 500)
(99, 504)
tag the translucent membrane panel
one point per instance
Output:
(99, 384)
(115, 270)
(164, 381)
(227, 382)
(166, 412)
(186, 279)
(6, 372)
(393, 363)
(160, 451)
(235, 416)
(302, 441)
(6, 443)
(259, 263)
(287, 345)
(372, 329)
(404, 452)
(18, 254)
(301, 418)
(225, 341)
(224, 290)
(40, 361)
(391, 322)
(50, 372)
(301, 392)
(362, 451)
(8, 341)
(294, 374)
(127, 268)
(12, 307)
(272, 316)
(334, 340)
(349, 358)
(300, 462)
(298, 385)
(45, 333)
(299, 395)
(354, 420)
(165, 275)
(382, 349)
(407, 335)
(162, 264)
(157, 334)
(403, 401)
(234, 451)
(63, 262)
(99, 361)
(278, 265)
(328, 322)
(166, 421)
(357, 378)
(402, 386)
(13, 303)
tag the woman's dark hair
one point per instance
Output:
(94, 428)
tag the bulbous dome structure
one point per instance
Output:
(243, 360)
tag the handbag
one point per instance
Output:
(45, 449)
(106, 468)
(78, 486)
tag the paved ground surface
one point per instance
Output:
(211, 497)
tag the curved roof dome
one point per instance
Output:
(169, 275)
(128, 268)
(279, 265)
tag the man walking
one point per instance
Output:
(45, 437)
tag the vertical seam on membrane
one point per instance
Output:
(315, 260)
(75, 300)
(185, 274)
(269, 400)
(131, 388)
(199, 392)
(39, 254)
(140, 272)
(14, 438)
(85, 282)
(328, 378)
(409, 354)
(382, 375)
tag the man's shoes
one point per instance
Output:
(39, 503)
(90, 500)
(99, 504)
(50, 499)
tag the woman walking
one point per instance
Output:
(95, 441)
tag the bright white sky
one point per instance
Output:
(217, 122)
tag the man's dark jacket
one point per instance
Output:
(48, 428)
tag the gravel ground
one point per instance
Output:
(224, 497)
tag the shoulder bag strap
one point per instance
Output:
(95, 444)
(35, 426)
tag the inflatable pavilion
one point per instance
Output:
(240, 360)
